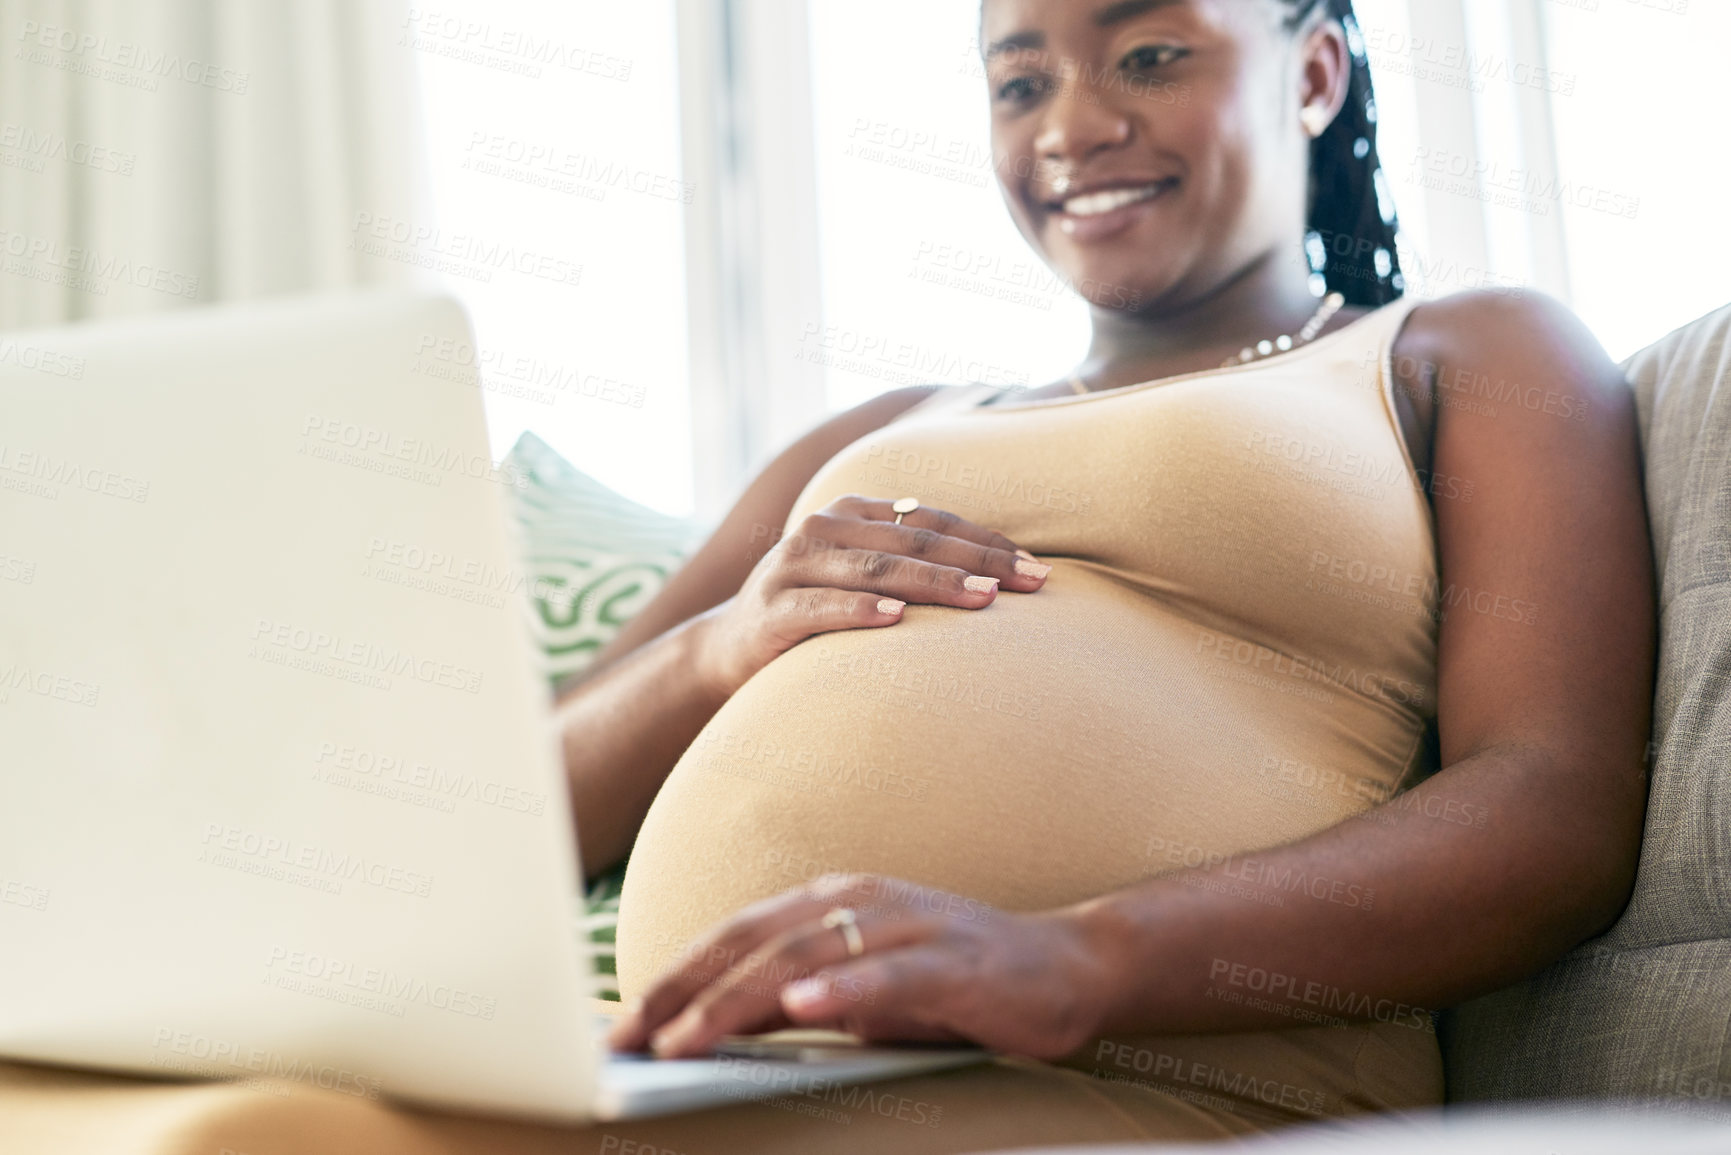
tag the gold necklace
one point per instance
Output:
(1284, 343)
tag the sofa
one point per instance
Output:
(1644, 1011)
(1621, 1044)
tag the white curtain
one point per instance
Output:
(159, 153)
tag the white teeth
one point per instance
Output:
(1093, 204)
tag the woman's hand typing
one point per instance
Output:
(934, 966)
(850, 566)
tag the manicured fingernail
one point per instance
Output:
(666, 1041)
(980, 585)
(1022, 553)
(1033, 569)
(804, 992)
(890, 606)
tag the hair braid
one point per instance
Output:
(1351, 218)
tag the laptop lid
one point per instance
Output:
(281, 794)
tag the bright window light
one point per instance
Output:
(554, 127)
(925, 278)
(1641, 149)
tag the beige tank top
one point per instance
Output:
(1236, 648)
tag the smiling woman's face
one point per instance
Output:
(1150, 150)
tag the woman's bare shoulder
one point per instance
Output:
(1537, 447)
(1512, 336)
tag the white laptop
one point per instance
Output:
(280, 794)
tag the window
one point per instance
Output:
(554, 128)
(925, 278)
(1562, 145)
(1641, 148)
(1523, 143)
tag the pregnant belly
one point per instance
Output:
(1049, 748)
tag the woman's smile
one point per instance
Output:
(1105, 211)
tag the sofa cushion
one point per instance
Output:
(1644, 1009)
(594, 558)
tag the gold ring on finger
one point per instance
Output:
(905, 506)
(842, 918)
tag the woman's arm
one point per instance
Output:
(1526, 842)
(1523, 845)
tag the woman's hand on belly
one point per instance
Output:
(849, 566)
(933, 966)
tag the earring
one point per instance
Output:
(1315, 119)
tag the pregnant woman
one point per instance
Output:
(1183, 730)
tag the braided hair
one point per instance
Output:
(1351, 219)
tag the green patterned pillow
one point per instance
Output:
(593, 559)
(601, 920)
